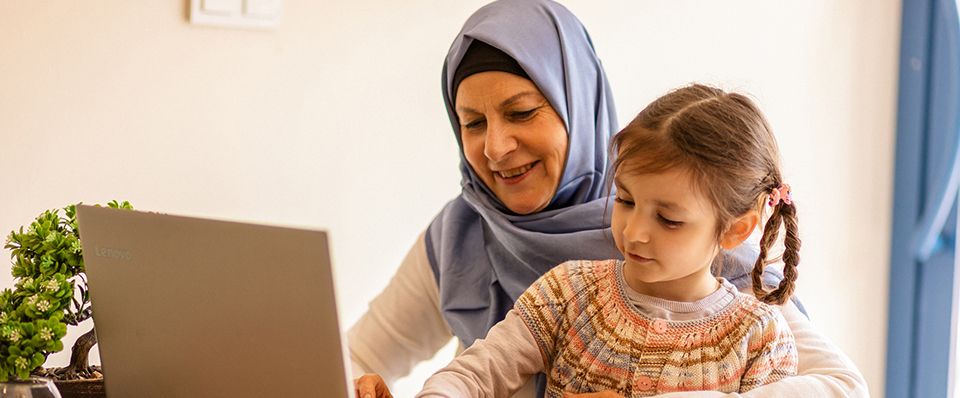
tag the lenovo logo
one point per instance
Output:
(112, 253)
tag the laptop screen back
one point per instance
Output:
(188, 307)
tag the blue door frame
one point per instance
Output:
(925, 190)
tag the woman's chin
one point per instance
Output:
(525, 208)
(528, 200)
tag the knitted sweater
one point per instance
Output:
(592, 339)
(404, 327)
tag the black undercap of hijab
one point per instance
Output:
(482, 57)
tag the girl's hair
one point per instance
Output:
(726, 144)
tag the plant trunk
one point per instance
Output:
(79, 365)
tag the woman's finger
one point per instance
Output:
(364, 388)
(371, 385)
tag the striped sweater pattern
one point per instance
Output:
(592, 339)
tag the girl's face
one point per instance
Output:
(666, 229)
(512, 138)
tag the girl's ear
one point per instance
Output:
(740, 230)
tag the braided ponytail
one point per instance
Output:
(785, 214)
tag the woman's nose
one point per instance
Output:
(500, 142)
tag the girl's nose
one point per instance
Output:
(500, 142)
(637, 229)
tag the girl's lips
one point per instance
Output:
(637, 258)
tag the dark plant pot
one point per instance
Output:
(85, 388)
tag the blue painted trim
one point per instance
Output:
(911, 117)
(922, 261)
(913, 87)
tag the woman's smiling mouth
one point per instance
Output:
(516, 172)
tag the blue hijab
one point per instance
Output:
(483, 255)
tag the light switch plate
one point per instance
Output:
(266, 9)
(256, 14)
(221, 7)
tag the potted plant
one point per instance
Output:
(50, 292)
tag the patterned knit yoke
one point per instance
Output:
(592, 339)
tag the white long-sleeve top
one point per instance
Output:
(404, 326)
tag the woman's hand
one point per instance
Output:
(601, 394)
(371, 385)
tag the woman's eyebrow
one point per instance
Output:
(466, 109)
(515, 98)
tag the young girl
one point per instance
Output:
(694, 173)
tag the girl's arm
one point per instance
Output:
(824, 370)
(773, 355)
(496, 366)
(403, 325)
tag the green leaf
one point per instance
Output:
(50, 290)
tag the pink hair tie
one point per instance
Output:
(780, 194)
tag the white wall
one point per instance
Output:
(336, 121)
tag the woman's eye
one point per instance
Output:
(622, 201)
(670, 223)
(474, 124)
(522, 115)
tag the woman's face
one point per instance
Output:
(512, 138)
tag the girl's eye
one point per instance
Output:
(670, 223)
(622, 201)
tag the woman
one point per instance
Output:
(533, 114)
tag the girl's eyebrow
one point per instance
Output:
(619, 183)
(666, 205)
(671, 206)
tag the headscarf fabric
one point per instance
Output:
(483, 255)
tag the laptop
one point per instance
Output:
(190, 307)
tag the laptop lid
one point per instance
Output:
(189, 307)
